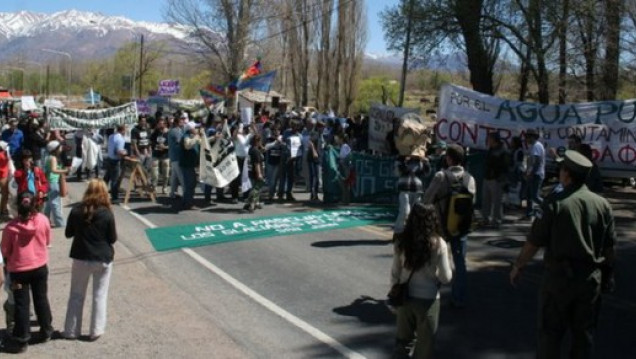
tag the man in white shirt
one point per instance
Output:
(535, 172)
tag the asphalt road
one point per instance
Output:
(320, 295)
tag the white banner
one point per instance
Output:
(218, 165)
(71, 119)
(466, 117)
(380, 124)
(28, 103)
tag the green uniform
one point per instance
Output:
(574, 226)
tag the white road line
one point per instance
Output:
(273, 307)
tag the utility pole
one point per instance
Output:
(141, 69)
(407, 47)
(48, 73)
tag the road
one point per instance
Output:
(320, 295)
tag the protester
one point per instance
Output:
(25, 242)
(274, 150)
(160, 156)
(35, 141)
(495, 181)
(421, 257)
(315, 153)
(293, 152)
(516, 173)
(91, 153)
(188, 162)
(437, 193)
(116, 153)
(256, 174)
(241, 148)
(14, 137)
(54, 171)
(4, 179)
(32, 179)
(410, 187)
(140, 143)
(344, 167)
(91, 224)
(594, 179)
(576, 228)
(174, 153)
(535, 172)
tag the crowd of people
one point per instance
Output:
(572, 223)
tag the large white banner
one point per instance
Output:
(381, 122)
(71, 119)
(218, 165)
(466, 117)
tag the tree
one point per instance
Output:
(219, 30)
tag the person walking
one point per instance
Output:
(160, 157)
(91, 224)
(5, 167)
(256, 173)
(421, 257)
(437, 193)
(535, 172)
(54, 170)
(174, 153)
(410, 187)
(497, 163)
(188, 162)
(116, 153)
(31, 178)
(576, 228)
(25, 242)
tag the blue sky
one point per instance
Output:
(151, 10)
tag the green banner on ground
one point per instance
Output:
(195, 235)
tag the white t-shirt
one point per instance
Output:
(537, 150)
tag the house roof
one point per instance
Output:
(263, 97)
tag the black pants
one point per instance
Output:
(37, 281)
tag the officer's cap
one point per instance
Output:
(575, 162)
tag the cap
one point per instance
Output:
(191, 126)
(440, 144)
(575, 162)
(532, 132)
(52, 146)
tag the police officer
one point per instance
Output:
(576, 228)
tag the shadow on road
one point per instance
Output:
(368, 310)
(351, 243)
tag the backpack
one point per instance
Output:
(458, 217)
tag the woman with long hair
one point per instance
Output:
(24, 247)
(92, 225)
(422, 258)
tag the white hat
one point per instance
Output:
(191, 125)
(52, 146)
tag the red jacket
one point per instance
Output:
(41, 183)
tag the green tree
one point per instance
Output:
(376, 90)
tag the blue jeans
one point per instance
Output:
(458, 288)
(54, 204)
(533, 193)
(113, 172)
(312, 167)
(272, 173)
(189, 182)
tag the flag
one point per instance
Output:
(210, 98)
(232, 87)
(218, 90)
(258, 83)
(252, 71)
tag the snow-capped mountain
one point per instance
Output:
(83, 34)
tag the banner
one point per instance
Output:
(218, 165)
(28, 103)
(70, 119)
(381, 122)
(466, 117)
(258, 83)
(195, 235)
(168, 88)
(143, 107)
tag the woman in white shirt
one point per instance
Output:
(423, 253)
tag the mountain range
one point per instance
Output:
(90, 35)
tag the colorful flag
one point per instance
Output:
(252, 71)
(258, 83)
(218, 90)
(210, 98)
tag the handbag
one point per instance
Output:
(399, 293)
